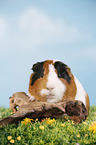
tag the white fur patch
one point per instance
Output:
(55, 89)
(31, 97)
(55, 60)
(81, 94)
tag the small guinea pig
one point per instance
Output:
(53, 81)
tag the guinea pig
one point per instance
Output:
(53, 81)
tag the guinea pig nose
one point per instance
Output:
(50, 89)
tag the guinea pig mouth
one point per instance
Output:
(50, 96)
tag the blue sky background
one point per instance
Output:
(36, 30)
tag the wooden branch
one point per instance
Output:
(75, 110)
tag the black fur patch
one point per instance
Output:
(38, 71)
(62, 71)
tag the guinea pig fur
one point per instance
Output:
(53, 81)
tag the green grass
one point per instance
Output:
(49, 132)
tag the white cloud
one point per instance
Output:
(3, 28)
(34, 28)
(37, 28)
(40, 27)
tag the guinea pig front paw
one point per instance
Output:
(31, 99)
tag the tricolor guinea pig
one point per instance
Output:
(53, 81)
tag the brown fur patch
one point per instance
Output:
(34, 90)
(87, 103)
(70, 89)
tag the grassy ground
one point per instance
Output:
(49, 131)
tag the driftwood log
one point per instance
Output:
(75, 110)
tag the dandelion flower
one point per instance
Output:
(72, 122)
(18, 138)
(12, 113)
(12, 141)
(27, 120)
(93, 127)
(43, 120)
(78, 135)
(50, 121)
(84, 123)
(94, 123)
(36, 119)
(66, 117)
(86, 135)
(9, 137)
(62, 124)
(41, 127)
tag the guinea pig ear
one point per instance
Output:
(63, 71)
(68, 70)
(37, 66)
(34, 67)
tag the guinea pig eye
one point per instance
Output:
(38, 71)
(62, 71)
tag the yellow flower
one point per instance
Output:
(50, 121)
(84, 123)
(9, 137)
(26, 120)
(66, 117)
(72, 122)
(12, 113)
(12, 141)
(78, 135)
(41, 127)
(36, 119)
(86, 135)
(19, 138)
(43, 120)
(94, 123)
(62, 124)
(93, 127)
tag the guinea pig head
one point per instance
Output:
(51, 81)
